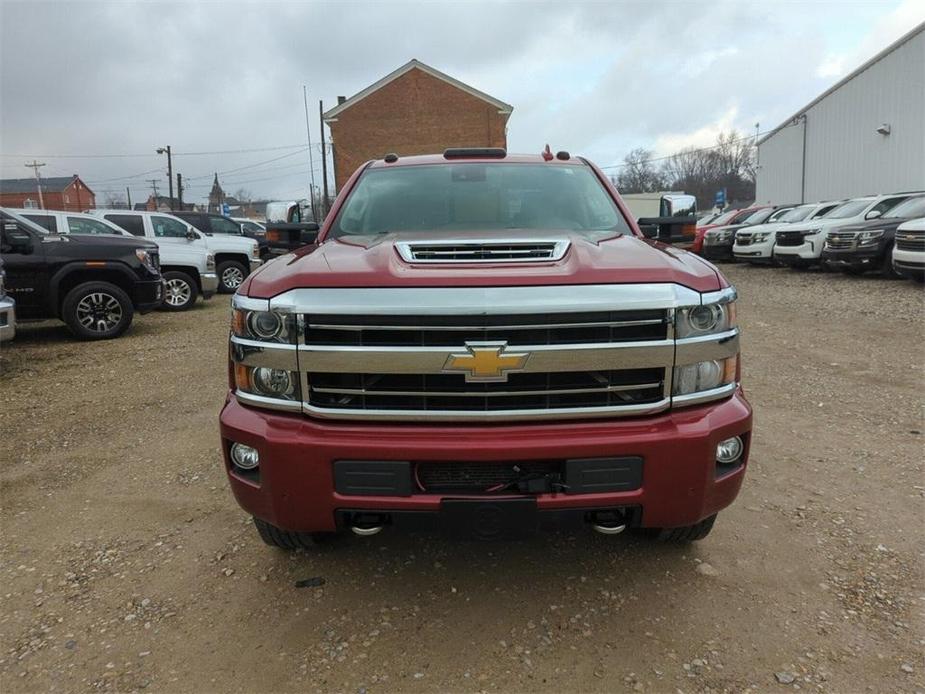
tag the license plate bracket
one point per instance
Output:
(489, 519)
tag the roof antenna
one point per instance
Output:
(547, 154)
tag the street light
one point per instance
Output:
(166, 150)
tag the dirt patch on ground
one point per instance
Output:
(126, 564)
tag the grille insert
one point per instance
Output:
(600, 327)
(910, 240)
(789, 238)
(841, 240)
(452, 477)
(482, 251)
(451, 392)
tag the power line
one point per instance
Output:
(176, 154)
(250, 166)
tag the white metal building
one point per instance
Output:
(866, 134)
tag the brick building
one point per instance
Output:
(67, 193)
(414, 110)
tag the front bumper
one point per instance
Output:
(717, 251)
(909, 263)
(855, 259)
(763, 251)
(806, 253)
(7, 318)
(295, 488)
(209, 283)
(149, 295)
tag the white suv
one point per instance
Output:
(187, 262)
(800, 245)
(909, 250)
(755, 244)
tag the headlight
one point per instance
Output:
(810, 232)
(266, 326)
(255, 251)
(146, 259)
(704, 375)
(760, 236)
(692, 321)
(870, 238)
(278, 384)
(210, 262)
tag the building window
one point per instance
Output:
(30, 204)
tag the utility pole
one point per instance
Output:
(162, 150)
(308, 134)
(153, 182)
(35, 166)
(180, 190)
(324, 158)
(128, 194)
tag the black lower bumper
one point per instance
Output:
(489, 519)
(717, 252)
(858, 260)
(149, 295)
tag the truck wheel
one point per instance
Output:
(97, 311)
(181, 291)
(286, 539)
(684, 534)
(231, 275)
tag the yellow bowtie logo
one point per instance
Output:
(486, 361)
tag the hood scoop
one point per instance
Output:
(482, 251)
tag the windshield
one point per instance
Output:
(911, 208)
(797, 214)
(478, 197)
(852, 208)
(757, 217)
(725, 217)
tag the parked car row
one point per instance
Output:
(95, 270)
(857, 235)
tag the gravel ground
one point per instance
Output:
(126, 564)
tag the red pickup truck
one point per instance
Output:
(486, 344)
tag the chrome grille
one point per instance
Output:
(841, 240)
(910, 240)
(479, 251)
(451, 392)
(564, 328)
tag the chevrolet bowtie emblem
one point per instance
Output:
(486, 361)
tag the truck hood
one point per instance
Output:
(364, 261)
(773, 226)
(101, 241)
(880, 223)
(219, 243)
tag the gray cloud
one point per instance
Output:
(598, 78)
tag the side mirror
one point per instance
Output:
(873, 214)
(191, 234)
(18, 241)
(649, 231)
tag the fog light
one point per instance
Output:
(244, 457)
(729, 451)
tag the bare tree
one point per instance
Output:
(243, 195)
(638, 173)
(728, 165)
(115, 201)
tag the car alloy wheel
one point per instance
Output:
(99, 312)
(178, 292)
(232, 277)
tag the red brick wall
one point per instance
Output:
(71, 199)
(414, 114)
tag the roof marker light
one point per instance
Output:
(547, 154)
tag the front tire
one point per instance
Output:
(231, 275)
(97, 311)
(180, 292)
(683, 534)
(286, 539)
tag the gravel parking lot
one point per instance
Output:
(126, 564)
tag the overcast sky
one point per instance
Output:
(596, 78)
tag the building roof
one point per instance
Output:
(27, 185)
(407, 67)
(847, 78)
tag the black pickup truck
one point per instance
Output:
(286, 229)
(95, 284)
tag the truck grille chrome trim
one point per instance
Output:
(482, 251)
(910, 240)
(841, 240)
